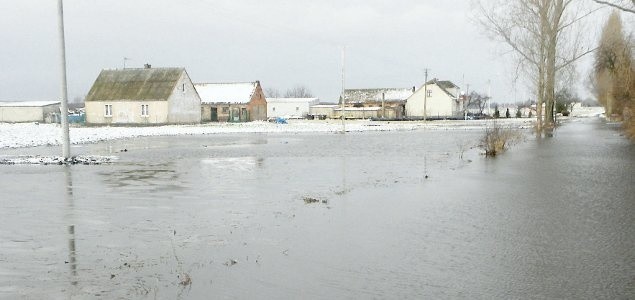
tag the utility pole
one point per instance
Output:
(383, 105)
(467, 95)
(425, 96)
(343, 90)
(66, 148)
(124, 61)
(489, 97)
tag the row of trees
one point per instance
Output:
(298, 91)
(546, 38)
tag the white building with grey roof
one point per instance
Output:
(30, 111)
(147, 96)
(440, 99)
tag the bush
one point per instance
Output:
(498, 139)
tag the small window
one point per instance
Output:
(144, 110)
(297, 108)
(108, 110)
(226, 109)
(274, 109)
(183, 88)
(429, 93)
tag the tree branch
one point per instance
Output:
(622, 8)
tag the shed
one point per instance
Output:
(392, 101)
(30, 111)
(372, 112)
(290, 108)
(232, 102)
(323, 111)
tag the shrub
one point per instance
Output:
(498, 139)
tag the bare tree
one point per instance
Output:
(272, 93)
(544, 35)
(623, 5)
(298, 91)
(477, 100)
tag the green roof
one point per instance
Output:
(135, 84)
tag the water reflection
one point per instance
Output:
(70, 204)
(156, 176)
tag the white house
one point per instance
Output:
(441, 101)
(148, 96)
(30, 111)
(294, 108)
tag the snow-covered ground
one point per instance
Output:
(30, 134)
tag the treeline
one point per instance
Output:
(614, 74)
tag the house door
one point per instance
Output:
(214, 114)
(243, 116)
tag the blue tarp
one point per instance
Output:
(280, 120)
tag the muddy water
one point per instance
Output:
(550, 219)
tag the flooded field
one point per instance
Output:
(324, 216)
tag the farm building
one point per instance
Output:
(358, 112)
(148, 96)
(441, 101)
(232, 102)
(293, 108)
(323, 111)
(392, 101)
(30, 111)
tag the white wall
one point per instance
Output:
(184, 105)
(438, 104)
(126, 112)
(289, 108)
(21, 114)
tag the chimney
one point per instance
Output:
(413, 89)
(147, 66)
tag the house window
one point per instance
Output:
(108, 110)
(429, 93)
(144, 110)
(297, 108)
(226, 109)
(273, 109)
(183, 88)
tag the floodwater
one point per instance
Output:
(235, 216)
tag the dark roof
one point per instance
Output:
(135, 84)
(445, 85)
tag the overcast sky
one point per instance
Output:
(282, 43)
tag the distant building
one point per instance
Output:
(294, 108)
(148, 96)
(232, 102)
(30, 111)
(442, 101)
(392, 101)
(323, 111)
(370, 112)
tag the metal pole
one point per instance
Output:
(467, 95)
(489, 97)
(425, 97)
(343, 90)
(66, 149)
(383, 105)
